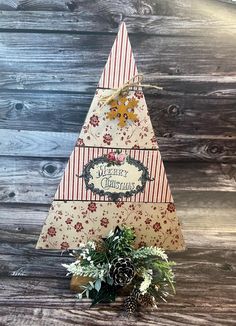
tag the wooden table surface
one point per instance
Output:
(52, 53)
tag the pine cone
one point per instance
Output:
(121, 271)
(135, 293)
(130, 304)
(147, 299)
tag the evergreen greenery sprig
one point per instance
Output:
(144, 252)
(90, 270)
(114, 264)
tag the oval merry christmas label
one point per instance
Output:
(115, 175)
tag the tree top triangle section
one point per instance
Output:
(120, 66)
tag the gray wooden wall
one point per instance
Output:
(52, 53)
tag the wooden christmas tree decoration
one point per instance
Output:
(115, 174)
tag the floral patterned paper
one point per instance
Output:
(70, 223)
(98, 130)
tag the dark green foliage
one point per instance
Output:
(120, 243)
(106, 294)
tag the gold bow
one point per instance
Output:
(132, 82)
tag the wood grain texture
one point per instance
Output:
(33, 64)
(55, 5)
(215, 85)
(44, 112)
(173, 148)
(108, 9)
(170, 114)
(52, 53)
(77, 22)
(83, 316)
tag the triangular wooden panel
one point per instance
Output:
(120, 66)
(83, 208)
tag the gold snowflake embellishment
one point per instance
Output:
(123, 110)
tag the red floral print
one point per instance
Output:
(111, 156)
(104, 222)
(138, 94)
(119, 203)
(148, 220)
(153, 139)
(107, 138)
(94, 121)
(142, 244)
(137, 218)
(52, 231)
(78, 226)
(69, 220)
(64, 245)
(92, 207)
(135, 147)
(151, 226)
(120, 159)
(171, 207)
(157, 226)
(132, 207)
(80, 142)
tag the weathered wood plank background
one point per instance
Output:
(52, 53)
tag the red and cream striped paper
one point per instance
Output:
(120, 66)
(73, 188)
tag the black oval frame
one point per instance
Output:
(115, 196)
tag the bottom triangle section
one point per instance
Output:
(70, 223)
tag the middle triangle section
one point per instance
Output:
(105, 174)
